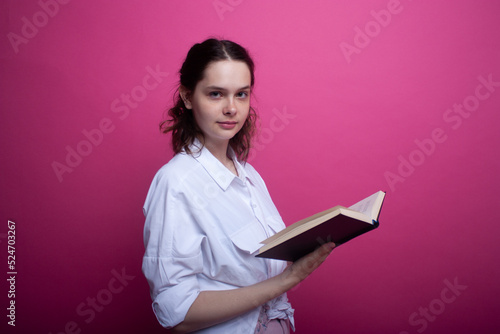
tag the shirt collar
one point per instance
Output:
(217, 171)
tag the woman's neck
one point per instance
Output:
(220, 152)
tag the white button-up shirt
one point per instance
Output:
(203, 227)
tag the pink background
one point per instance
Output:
(344, 99)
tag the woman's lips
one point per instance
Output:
(227, 125)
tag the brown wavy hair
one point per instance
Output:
(181, 121)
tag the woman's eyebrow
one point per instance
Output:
(215, 88)
(224, 89)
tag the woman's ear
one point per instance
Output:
(185, 96)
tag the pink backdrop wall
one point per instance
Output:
(354, 96)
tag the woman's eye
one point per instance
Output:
(215, 94)
(243, 95)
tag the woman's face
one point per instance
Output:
(221, 101)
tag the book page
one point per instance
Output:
(369, 206)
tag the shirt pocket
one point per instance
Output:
(275, 223)
(248, 238)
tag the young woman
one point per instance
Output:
(207, 209)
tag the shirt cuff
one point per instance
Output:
(170, 314)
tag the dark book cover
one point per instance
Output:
(338, 229)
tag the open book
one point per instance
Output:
(338, 224)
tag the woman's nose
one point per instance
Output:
(230, 108)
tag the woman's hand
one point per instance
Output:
(297, 271)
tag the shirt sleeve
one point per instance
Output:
(173, 255)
